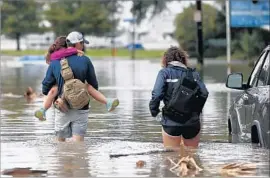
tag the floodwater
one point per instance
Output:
(26, 142)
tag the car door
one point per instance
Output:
(250, 97)
(261, 111)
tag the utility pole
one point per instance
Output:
(228, 31)
(133, 33)
(113, 50)
(1, 3)
(198, 19)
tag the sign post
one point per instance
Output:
(198, 20)
(133, 22)
(228, 32)
(245, 13)
(249, 13)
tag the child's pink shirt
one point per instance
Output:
(64, 52)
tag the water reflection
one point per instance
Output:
(71, 160)
(29, 143)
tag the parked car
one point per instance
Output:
(249, 114)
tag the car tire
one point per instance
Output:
(229, 127)
(255, 135)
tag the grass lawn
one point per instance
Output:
(139, 54)
(94, 53)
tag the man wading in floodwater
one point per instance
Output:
(70, 76)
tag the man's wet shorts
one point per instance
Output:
(74, 122)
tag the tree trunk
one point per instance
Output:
(18, 35)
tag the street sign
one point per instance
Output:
(197, 16)
(249, 13)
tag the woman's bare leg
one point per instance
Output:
(170, 141)
(193, 142)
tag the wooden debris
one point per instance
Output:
(142, 153)
(23, 171)
(186, 166)
(238, 169)
(140, 163)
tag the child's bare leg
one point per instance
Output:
(96, 94)
(111, 104)
(41, 113)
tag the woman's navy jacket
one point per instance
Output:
(166, 78)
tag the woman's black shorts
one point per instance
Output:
(187, 131)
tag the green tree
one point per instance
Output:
(185, 31)
(88, 17)
(141, 7)
(19, 18)
(251, 44)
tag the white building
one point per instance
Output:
(152, 33)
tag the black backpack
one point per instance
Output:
(186, 98)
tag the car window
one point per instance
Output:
(256, 71)
(264, 75)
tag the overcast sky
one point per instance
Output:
(165, 18)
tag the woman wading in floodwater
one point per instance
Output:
(175, 124)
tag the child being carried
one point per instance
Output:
(57, 51)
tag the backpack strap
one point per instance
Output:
(190, 73)
(66, 71)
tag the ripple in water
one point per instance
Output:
(91, 158)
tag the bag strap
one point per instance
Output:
(67, 74)
(66, 71)
(190, 73)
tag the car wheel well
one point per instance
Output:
(254, 134)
